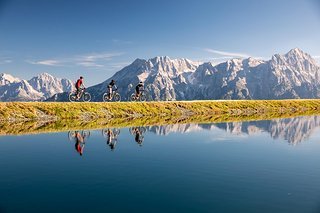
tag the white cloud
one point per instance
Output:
(89, 64)
(86, 60)
(45, 62)
(5, 61)
(228, 54)
(97, 56)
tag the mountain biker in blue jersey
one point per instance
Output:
(139, 88)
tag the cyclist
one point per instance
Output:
(110, 86)
(139, 88)
(79, 86)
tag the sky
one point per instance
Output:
(95, 38)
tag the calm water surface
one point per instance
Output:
(261, 166)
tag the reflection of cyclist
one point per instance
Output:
(79, 86)
(111, 135)
(110, 86)
(138, 136)
(139, 87)
(110, 139)
(79, 137)
(79, 145)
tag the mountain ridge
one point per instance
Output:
(292, 75)
(38, 88)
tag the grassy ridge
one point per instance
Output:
(28, 111)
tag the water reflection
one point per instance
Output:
(179, 165)
(112, 137)
(292, 130)
(138, 133)
(79, 137)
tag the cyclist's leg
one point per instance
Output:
(110, 92)
(78, 92)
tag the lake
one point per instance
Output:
(256, 166)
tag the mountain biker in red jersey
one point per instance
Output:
(79, 85)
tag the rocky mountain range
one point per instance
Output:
(37, 88)
(292, 75)
(160, 75)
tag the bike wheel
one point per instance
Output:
(142, 129)
(143, 97)
(105, 133)
(105, 97)
(86, 97)
(72, 97)
(132, 130)
(85, 133)
(117, 97)
(116, 132)
(133, 97)
(71, 135)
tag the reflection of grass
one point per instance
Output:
(17, 111)
(34, 127)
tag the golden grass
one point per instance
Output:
(27, 111)
(40, 117)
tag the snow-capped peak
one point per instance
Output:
(7, 79)
(40, 87)
(295, 51)
(45, 76)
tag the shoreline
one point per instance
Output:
(54, 111)
(36, 118)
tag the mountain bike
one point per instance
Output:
(142, 97)
(115, 132)
(83, 96)
(84, 133)
(115, 96)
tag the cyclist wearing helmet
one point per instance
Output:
(110, 86)
(79, 85)
(139, 87)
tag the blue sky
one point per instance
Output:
(97, 38)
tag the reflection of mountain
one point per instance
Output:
(293, 130)
(172, 128)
